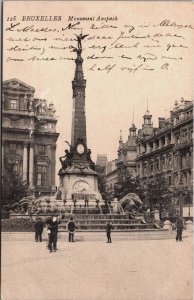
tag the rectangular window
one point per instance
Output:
(41, 175)
(12, 146)
(13, 104)
(191, 135)
(177, 140)
(16, 167)
(163, 164)
(169, 162)
(14, 123)
(41, 149)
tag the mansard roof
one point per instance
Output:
(17, 84)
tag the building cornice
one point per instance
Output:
(157, 151)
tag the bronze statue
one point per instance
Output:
(79, 39)
(66, 159)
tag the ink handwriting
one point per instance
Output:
(109, 47)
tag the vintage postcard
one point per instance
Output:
(97, 149)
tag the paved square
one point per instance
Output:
(123, 270)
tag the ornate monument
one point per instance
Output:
(78, 178)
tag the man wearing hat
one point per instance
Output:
(53, 228)
(179, 227)
(38, 230)
(108, 231)
(71, 226)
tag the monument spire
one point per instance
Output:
(78, 178)
(78, 131)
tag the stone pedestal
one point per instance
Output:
(115, 206)
(168, 225)
(189, 225)
(156, 215)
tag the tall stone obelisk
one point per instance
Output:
(78, 119)
(78, 178)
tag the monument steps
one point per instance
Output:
(93, 222)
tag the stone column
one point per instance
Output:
(2, 157)
(31, 166)
(141, 173)
(53, 166)
(148, 148)
(172, 138)
(166, 140)
(160, 142)
(25, 161)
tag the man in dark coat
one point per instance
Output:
(71, 226)
(179, 227)
(38, 230)
(108, 232)
(53, 228)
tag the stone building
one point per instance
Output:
(101, 163)
(168, 149)
(28, 136)
(111, 174)
(127, 154)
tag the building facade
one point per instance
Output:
(168, 149)
(101, 163)
(126, 155)
(28, 136)
(111, 175)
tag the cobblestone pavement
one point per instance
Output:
(123, 270)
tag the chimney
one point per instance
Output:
(161, 122)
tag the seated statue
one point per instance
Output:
(66, 159)
(92, 164)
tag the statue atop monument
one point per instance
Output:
(79, 39)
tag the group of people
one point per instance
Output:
(52, 231)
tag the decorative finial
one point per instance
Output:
(182, 99)
(133, 118)
(147, 111)
(121, 139)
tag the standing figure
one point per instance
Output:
(179, 227)
(108, 232)
(38, 230)
(71, 226)
(53, 228)
(79, 39)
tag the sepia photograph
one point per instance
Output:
(97, 149)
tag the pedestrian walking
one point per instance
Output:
(108, 232)
(38, 229)
(71, 226)
(53, 231)
(48, 222)
(179, 228)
